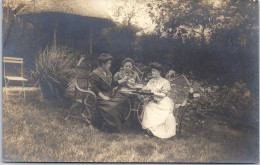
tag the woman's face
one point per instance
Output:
(107, 65)
(128, 66)
(155, 73)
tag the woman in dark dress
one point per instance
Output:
(111, 109)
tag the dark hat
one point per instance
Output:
(128, 60)
(103, 58)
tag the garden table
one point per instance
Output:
(133, 97)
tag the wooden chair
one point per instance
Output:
(20, 77)
(180, 88)
(84, 99)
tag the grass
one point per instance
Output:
(35, 130)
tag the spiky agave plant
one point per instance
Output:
(54, 68)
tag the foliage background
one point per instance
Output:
(215, 41)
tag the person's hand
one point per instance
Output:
(131, 82)
(143, 89)
(141, 97)
(103, 96)
(126, 78)
(123, 80)
(106, 98)
(115, 89)
(161, 95)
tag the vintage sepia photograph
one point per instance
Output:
(130, 81)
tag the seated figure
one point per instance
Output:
(158, 110)
(126, 77)
(111, 109)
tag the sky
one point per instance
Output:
(137, 10)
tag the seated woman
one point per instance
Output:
(158, 111)
(126, 77)
(110, 108)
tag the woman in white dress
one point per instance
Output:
(158, 110)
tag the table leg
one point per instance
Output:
(130, 109)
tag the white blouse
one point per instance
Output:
(158, 86)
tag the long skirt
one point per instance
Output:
(111, 113)
(159, 119)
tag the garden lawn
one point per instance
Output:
(35, 130)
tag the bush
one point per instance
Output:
(54, 69)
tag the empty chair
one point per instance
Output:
(179, 95)
(17, 77)
(84, 98)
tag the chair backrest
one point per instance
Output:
(140, 73)
(13, 60)
(180, 88)
(83, 71)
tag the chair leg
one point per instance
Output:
(128, 114)
(130, 109)
(24, 89)
(86, 118)
(41, 94)
(6, 87)
(139, 117)
(180, 125)
(136, 109)
(71, 109)
(180, 120)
